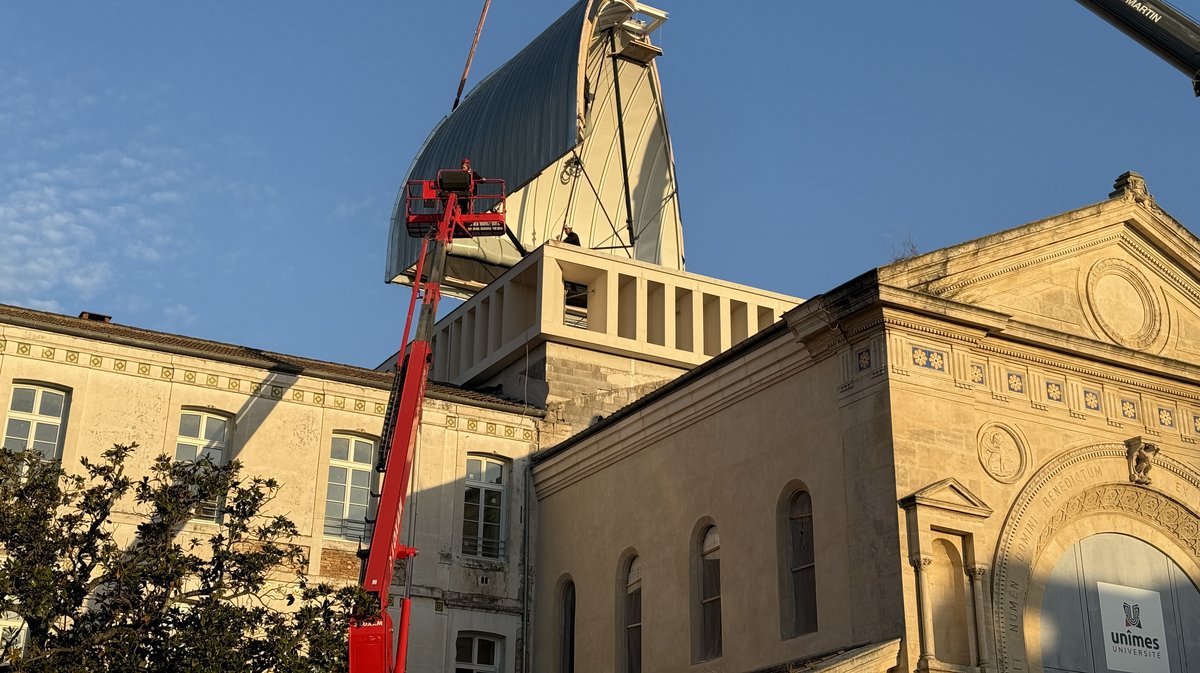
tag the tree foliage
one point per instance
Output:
(103, 571)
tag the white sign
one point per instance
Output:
(1135, 637)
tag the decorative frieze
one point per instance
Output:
(172, 374)
(475, 426)
(1046, 386)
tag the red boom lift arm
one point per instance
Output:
(458, 204)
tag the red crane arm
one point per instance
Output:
(441, 210)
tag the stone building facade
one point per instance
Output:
(980, 459)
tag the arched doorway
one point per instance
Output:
(1113, 602)
(1080, 494)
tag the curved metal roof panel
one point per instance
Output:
(559, 148)
(520, 118)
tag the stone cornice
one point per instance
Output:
(1028, 343)
(952, 288)
(916, 323)
(826, 325)
(960, 501)
(952, 263)
(302, 387)
(1087, 370)
(1184, 285)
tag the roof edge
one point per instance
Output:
(259, 359)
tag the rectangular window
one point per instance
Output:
(483, 508)
(203, 436)
(348, 491)
(36, 417)
(12, 633)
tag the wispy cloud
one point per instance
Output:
(181, 317)
(69, 224)
(94, 204)
(347, 210)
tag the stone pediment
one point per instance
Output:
(1121, 272)
(948, 494)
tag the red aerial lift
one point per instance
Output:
(458, 204)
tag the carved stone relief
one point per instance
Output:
(1139, 453)
(1002, 453)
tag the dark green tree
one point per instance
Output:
(98, 566)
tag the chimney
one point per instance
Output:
(95, 317)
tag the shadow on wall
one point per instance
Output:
(471, 567)
(261, 401)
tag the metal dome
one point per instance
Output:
(545, 122)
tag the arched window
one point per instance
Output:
(567, 639)
(36, 416)
(203, 434)
(477, 653)
(348, 490)
(801, 568)
(709, 592)
(630, 620)
(484, 516)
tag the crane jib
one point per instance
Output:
(1145, 10)
(1159, 27)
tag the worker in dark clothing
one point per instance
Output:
(570, 237)
(466, 199)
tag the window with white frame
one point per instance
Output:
(12, 634)
(474, 653)
(348, 491)
(203, 435)
(483, 508)
(36, 416)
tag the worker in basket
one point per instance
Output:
(467, 198)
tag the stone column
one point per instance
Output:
(976, 573)
(920, 564)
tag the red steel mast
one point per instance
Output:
(458, 204)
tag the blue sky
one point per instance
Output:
(227, 170)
